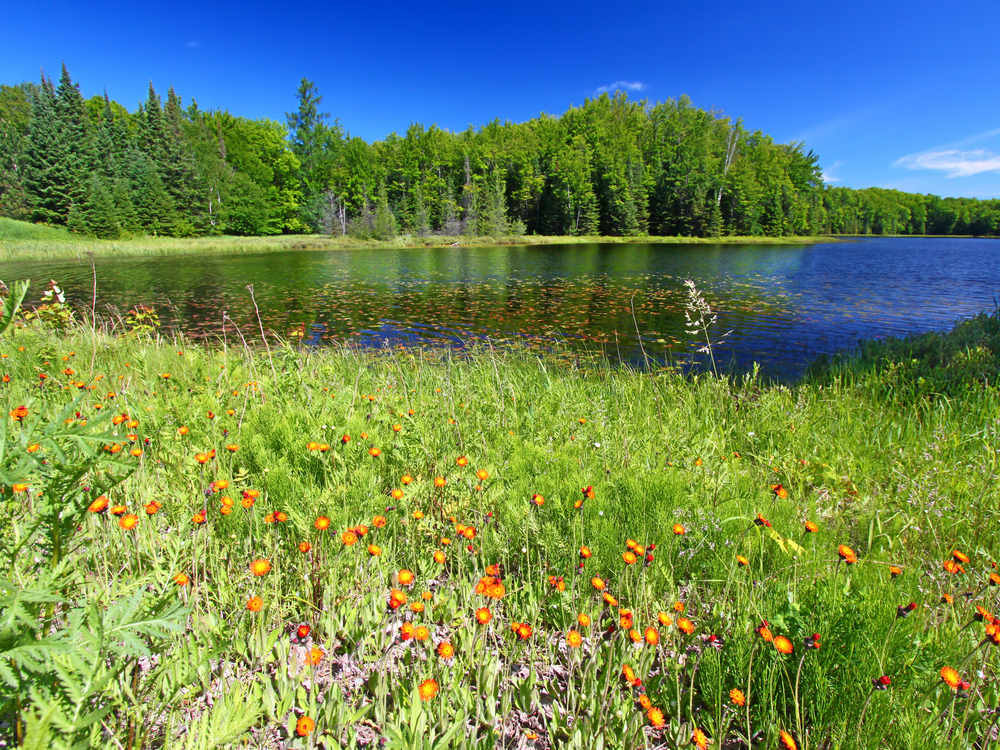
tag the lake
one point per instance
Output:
(779, 305)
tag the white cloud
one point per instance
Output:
(627, 85)
(827, 174)
(953, 161)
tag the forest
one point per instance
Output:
(612, 167)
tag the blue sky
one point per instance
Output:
(889, 94)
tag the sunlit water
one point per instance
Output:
(778, 305)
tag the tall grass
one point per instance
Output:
(712, 479)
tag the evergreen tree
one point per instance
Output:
(45, 177)
(75, 140)
(100, 215)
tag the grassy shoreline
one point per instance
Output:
(22, 241)
(332, 457)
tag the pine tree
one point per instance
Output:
(100, 215)
(75, 140)
(180, 169)
(44, 167)
(150, 199)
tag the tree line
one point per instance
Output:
(612, 166)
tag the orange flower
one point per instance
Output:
(202, 458)
(422, 633)
(629, 557)
(483, 615)
(953, 567)
(779, 491)
(397, 599)
(811, 528)
(427, 690)
(34, 448)
(374, 550)
(417, 607)
(118, 510)
(783, 645)
(260, 567)
(397, 428)
(462, 461)
(699, 739)
(445, 650)
(396, 494)
(655, 717)
(349, 538)
(304, 726)
(405, 577)
(651, 635)
(597, 583)
(128, 521)
(255, 604)
(737, 697)
(378, 522)
(482, 475)
(585, 553)
(316, 655)
(742, 560)
(584, 620)
(894, 571)
(406, 479)
(322, 523)
(439, 557)
(678, 606)
(679, 530)
(950, 677)
(19, 487)
(960, 557)
(182, 579)
(685, 624)
(232, 447)
(611, 601)
(787, 740)
(440, 481)
(645, 702)
(19, 413)
(765, 632)
(574, 639)
(304, 547)
(99, 505)
(524, 631)
(847, 554)
(664, 619)
(280, 516)
(374, 452)
(538, 500)
(418, 514)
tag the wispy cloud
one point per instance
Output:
(827, 173)
(954, 159)
(626, 85)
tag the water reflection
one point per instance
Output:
(780, 305)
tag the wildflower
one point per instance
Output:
(427, 596)
(312, 445)
(260, 567)
(764, 631)
(698, 462)
(812, 642)
(953, 567)
(182, 579)
(629, 674)
(232, 447)
(742, 561)
(445, 650)
(629, 557)
(585, 553)
(374, 452)
(202, 458)
(417, 607)
(304, 547)
(418, 514)
(180, 431)
(950, 677)
(378, 522)
(761, 521)
(787, 740)
(651, 636)
(397, 599)
(847, 554)
(396, 494)
(597, 583)
(699, 739)
(664, 619)
(322, 523)
(397, 428)
(685, 624)
(994, 579)
(406, 479)
(128, 521)
(19, 413)
(210, 415)
(483, 615)
(255, 604)
(422, 633)
(881, 683)
(482, 475)
(783, 645)
(405, 577)
(345, 439)
(679, 530)
(118, 510)
(34, 448)
(538, 500)
(302, 632)
(524, 631)
(625, 619)
(894, 571)
(655, 717)
(427, 690)
(588, 493)
(583, 619)
(19, 487)
(349, 538)
(462, 461)
(634, 635)
(904, 610)
(811, 528)
(947, 599)
(678, 606)
(574, 639)
(779, 491)
(439, 557)
(440, 481)
(99, 505)
(609, 599)
(304, 726)
(737, 697)
(960, 557)
(269, 518)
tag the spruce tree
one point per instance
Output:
(44, 167)
(75, 140)
(99, 212)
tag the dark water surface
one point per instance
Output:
(781, 305)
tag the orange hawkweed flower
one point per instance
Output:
(700, 739)
(405, 577)
(629, 557)
(538, 500)
(304, 726)
(118, 510)
(406, 479)
(19, 487)
(678, 606)
(953, 567)
(422, 633)
(847, 554)
(439, 557)
(462, 461)
(779, 491)
(960, 557)
(645, 702)
(651, 635)
(737, 697)
(811, 528)
(396, 494)
(894, 571)
(374, 550)
(99, 505)
(574, 639)
(685, 624)
(378, 522)
(260, 567)
(764, 631)
(783, 645)
(679, 529)
(374, 452)
(397, 599)
(445, 650)
(232, 447)
(322, 523)
(348, 538)
(427, 690)
(129, 521)
(655, 717)
(524, 631)
(182, 579)
(180, 431)
(585, 553)
(304, 547)
(440, 481)
(483, 615)
(787, 740)
(950, 677)
(255, 604)
(19, 413)
(742, 561)
(597, 583)
(583, 619)
(482, 475)
(609, 599)
(664, 619)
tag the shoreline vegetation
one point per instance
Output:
(278, 547)
(21, 241)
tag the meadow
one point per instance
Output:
(21, 240)
(275, 547)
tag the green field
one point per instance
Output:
(23, 241)
(161, 634)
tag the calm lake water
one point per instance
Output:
(780, 305)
